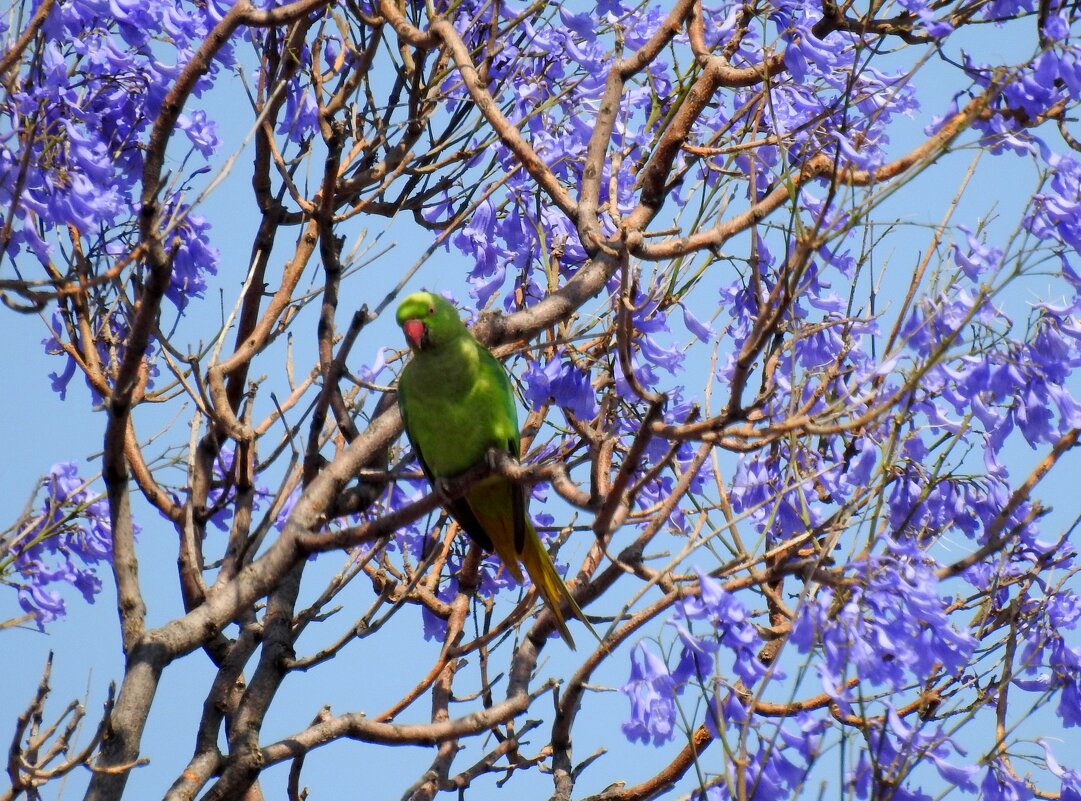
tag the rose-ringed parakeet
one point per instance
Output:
(457, 403)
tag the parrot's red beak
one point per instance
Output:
(414, 332)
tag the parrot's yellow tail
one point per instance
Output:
(538, 564)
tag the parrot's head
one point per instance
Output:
(428, 320)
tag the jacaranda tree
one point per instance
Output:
(790, 294)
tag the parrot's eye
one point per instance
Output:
(431, 311)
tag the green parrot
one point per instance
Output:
(457, 403)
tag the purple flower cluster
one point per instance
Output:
(777, 753)
(1047, 661)
(895, 747)
(775, 757)
(557, 71)
(74, 122)
(891, 627)
(83, 108)
(62, 543)
(193, 255)
(561, 381)
(651, 689)
(727, 625)
(705, 623)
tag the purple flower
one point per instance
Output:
(979, 259)
(1000, 784)
(201, 130)
(729, 631)
(1071, 778)
(651, 691)
(479, 240)
(1069, 702)
(806, 54)
(564, 383)
(63, 543)
(287, 508)
(435, 627)
(222, 495)
(193, 257)
(301, 117)
(581, 24)
(702, 331)
(696, 657)
(866, 155)
(45, 605)
(937, 28)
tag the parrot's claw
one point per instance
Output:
(441, 488)
(500, 462)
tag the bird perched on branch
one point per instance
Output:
(457, 404)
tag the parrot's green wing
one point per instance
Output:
(505, 419)
(458, 507)
(521, 517)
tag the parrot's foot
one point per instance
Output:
(496, 460)
(442, 489)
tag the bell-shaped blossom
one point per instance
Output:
(651, 691)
